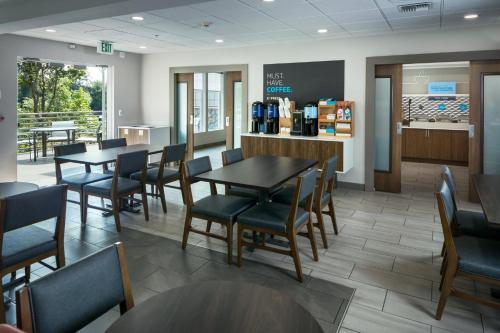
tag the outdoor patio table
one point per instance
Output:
(70, 132)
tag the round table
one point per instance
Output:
(218, 306)
(13, 188)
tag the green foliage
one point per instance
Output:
(95, 91)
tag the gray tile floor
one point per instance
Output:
(387, 249)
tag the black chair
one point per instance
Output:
(121, 186)
(469, 257)
(160, 176)
(73, 297)
(108, 144)
(282, 220)
(323, 197)
(76, 182)
(23, 244)
(213, 208)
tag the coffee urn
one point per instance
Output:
(258, 117)
(310, 119)
(273, 118)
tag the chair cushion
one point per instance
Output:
(169, 175)
(103, 187)
(243, 192)
(475, 224)
(223, 207)
(25, 243)
(478, 256)
(271, 215)
(81, 179)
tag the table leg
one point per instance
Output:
(73, 136)
(44, 144)
(67, 136)
(34, 146)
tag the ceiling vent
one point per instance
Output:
(415, 7)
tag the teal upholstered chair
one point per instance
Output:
(71, 298)
(121, 187)
(282, 220)
(160, 176)
(76, 182)
(323, 197)
(22, 243)
(469, 257)
(222, 209)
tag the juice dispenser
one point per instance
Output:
(257, 117)
(310, 119)
(273, 118)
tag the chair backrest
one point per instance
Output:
(28, 208)
(191, 169)
(175, 153)
(232, 156)
(74, 296)
(447, 216)
(65, 123)
(74, 148)
(450, 181)
(306, 182)
(113, 143)
(128, 163)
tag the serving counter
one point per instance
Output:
(319, 148)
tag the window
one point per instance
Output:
(208, 102)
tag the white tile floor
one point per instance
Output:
(388, 248)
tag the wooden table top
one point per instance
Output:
(99, 157)
(488, 189)
(263, 173)
(53, 129)
(218, 306)
(14, 188)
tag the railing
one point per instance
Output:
(86, 122)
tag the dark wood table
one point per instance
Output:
(218, 307)
(99, 157)
(14, 188)
(263, 173)
(70, 133)
(488, 189)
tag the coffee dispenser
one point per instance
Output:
(310, 127)
(258, 117)
(297, 123)
(273, 118)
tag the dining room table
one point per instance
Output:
(218, 306)
(488, 190)
(8, 189)
(44, 131)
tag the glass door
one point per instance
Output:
(233, 106)
(184, 108)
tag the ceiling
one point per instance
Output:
(255, 22)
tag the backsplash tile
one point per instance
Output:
(452, 109)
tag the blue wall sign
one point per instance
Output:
(442, 87)
(441, 107)
(463, 107)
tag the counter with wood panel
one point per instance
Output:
(319, 148)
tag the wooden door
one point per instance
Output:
(230, 78)
(389, 179)
(184, 104)
(479, 70)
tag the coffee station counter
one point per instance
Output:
(318, 148)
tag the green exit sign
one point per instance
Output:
(105, 47)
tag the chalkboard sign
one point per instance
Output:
(304, 81)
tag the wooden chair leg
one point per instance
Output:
(321, 226)
(443, 264)
(229, 228)
(145, 206)
(162, 198)
(445, 292)
(240, 245)
(209, 226)
(443, 250)
(27, 274)
(331, 211)
(312, 239)
(116, 213)
(187, 228)
(60, 258)
(181, 182)
(295, 256)
(2, 307)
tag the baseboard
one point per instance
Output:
(208, 145)
(351, 186)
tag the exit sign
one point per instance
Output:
(105, 47)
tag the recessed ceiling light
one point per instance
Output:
(322, 31)
(50, 30)
(137, 18)
(143, 47)
(471, 16)
(268, 0)
(219, 41)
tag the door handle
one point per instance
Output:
(191, 120)
(472, 131)
(227, 121)
(399, 128)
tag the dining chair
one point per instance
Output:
(108, 144)
(21, 242)
(160, 176)
(58, 136)
(73, 297)
(120, 186)
(323, 197)
(222, 209)
(77, 181)
(469, 257)
(282, 220)
(233, 156)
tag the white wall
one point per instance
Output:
(354, 51)
(127, 80)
